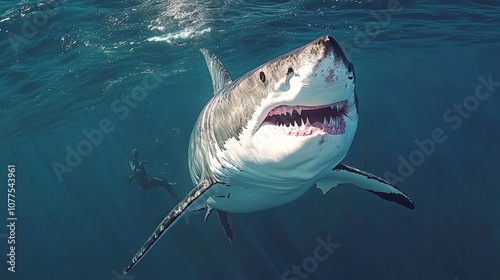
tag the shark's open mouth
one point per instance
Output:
(305, 120)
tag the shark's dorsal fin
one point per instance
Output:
(343, 174)
(219, 74)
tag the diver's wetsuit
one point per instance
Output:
(145, 181)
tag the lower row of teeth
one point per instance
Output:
(326, 120)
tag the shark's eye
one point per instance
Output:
(262, 76)
(290, 71)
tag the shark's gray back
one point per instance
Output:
(224, 117)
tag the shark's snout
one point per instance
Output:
(334, 48)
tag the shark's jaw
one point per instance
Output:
(314, 99)
(311, 93)
(306, 120)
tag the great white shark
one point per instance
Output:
(267, 137)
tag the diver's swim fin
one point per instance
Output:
(170, 190)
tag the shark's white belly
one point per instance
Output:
(255, 185)
(244, 197)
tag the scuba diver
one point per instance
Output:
(145, 181)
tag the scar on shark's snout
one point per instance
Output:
(331, 74)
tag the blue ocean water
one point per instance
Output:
(427, 72)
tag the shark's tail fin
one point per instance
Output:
(194, 200)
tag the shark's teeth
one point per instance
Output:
(304, 120)
(302, 126)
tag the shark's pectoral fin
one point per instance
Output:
(130, 179)
(192, 201)
(219, 74)
(225, 224)
(343, 174)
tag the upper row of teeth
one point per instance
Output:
(331, 107)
